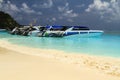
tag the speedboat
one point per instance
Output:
(61, 31)
(57, 31)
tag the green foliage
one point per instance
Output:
(7, 22)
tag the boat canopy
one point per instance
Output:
(67, 27)
(62, 28)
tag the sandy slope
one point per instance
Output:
(22, 63)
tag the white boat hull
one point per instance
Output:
(81, 33)
(87, 33)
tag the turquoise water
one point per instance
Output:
(106, 45)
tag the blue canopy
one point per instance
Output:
(74, 27)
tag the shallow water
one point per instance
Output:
(105, 45)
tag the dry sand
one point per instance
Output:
(23, 63)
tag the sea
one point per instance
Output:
(106, 45)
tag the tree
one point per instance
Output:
(7, 22)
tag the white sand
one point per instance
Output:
(23, 63)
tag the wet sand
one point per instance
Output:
(24, 63)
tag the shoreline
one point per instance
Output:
(105, 65)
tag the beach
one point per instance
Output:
(25, 63)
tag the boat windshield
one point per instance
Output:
(80, 28)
